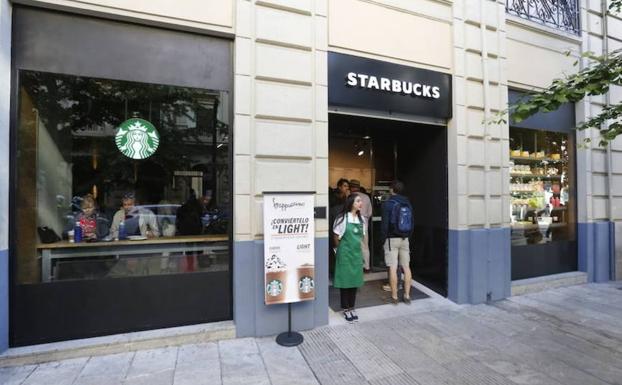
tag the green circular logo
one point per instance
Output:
(137, 138)
(306, 284)
(274, 288)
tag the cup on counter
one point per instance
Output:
(70, 236)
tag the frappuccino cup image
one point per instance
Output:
(306, 281)
(276, 280)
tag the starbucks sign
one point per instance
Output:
(137, 138)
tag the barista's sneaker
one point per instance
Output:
(347, 314)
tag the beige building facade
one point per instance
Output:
(283, 129)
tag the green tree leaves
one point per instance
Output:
(596, 79)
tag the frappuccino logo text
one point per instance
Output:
(285, 206)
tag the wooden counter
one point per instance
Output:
(148, 241)
(164, 246)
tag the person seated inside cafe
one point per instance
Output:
(94, 226)
(138, 221)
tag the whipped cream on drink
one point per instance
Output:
(275, 263)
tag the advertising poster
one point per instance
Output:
(289, 254)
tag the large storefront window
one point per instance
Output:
(542, 201)
(118, 178)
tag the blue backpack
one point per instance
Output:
(401, 219)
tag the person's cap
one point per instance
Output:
(355, 183)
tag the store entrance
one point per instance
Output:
(377, 151)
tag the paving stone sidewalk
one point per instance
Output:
(566, 336)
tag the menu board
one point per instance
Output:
(289, 252)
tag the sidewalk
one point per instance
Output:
(566, 336)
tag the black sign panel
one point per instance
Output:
(319, 212)
(372, 84)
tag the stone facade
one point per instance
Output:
(281, 120)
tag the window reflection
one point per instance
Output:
(541, 180)
(76, 189)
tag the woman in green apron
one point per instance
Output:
(349, 229)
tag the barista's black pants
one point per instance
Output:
(348, 297)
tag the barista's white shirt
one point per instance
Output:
(339, 227)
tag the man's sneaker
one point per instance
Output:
(386, 287)
(355, 317)
(407, 300)
(348, 316)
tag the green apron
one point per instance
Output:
(349, 261)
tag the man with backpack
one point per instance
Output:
(397, 227)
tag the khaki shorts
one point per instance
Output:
(400, 249)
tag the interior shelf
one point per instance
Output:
(535, 176)
(535, 160)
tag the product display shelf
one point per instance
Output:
(534, 176)
(530, 225)
(530, 159)
(534, 192)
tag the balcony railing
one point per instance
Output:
(558, 14)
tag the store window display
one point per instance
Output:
(541, 185)
(135, 152)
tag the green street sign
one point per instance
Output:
(137, 138)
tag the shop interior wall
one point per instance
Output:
(26, 227)
(345, 163)
(59, 179)
(200, 15)
(384, 30)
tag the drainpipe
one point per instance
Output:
(612, 251)
(486, 98)
(486, 113)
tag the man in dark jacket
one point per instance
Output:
(397, 225)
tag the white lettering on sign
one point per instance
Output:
(373, 83)
(354, 79)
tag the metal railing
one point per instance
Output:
(558, 14)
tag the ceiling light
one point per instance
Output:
(360, 153)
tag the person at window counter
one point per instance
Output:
(556, 199)
(137, 220)
(93, 225)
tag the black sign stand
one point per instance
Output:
(289, 338)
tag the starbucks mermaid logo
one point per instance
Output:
(137, 138)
